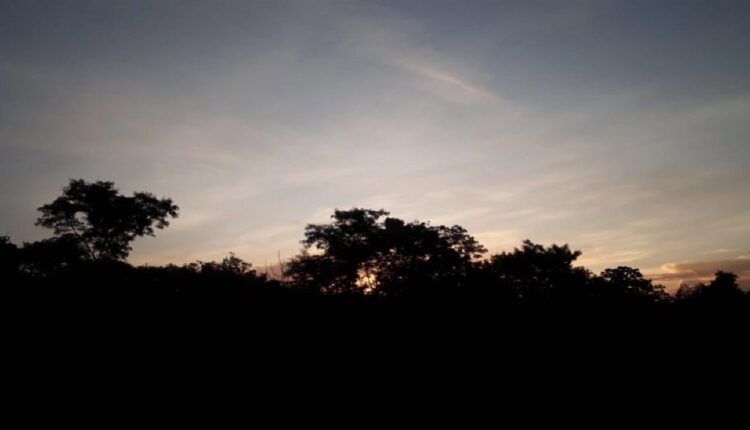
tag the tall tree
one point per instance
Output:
(103, 221)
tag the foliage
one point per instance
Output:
(722, 290)
(230, 265)
(361, 252)
(364, 250)
(103, 221)
(627, 282)
(538, 273)
(9, 255)
(49, 256)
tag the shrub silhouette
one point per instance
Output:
(47, 257)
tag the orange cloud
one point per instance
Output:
(692, 272)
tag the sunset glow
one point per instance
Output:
(374, 213)
(619, 128)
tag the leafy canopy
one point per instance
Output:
(365, 250)
(536, 273)
(103, 221)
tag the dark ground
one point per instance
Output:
(279, 359)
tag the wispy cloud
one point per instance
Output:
(718, 251)
(497, 241)
(451, 87)
(513, 124)
(598, 257)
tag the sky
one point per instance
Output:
(621, 128)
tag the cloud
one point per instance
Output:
(692, 272)
(600, 257)
(451, 87)
(499, 240)
(718, 251)
(290, 111)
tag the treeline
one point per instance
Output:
(362, 252)
(361, 255)
(372, 304)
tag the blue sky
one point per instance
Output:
(620, 128)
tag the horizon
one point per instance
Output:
(619, 129)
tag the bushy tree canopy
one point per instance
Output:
(627, 282)
(538, 273)
(103, 221)
(723, 289)
(365, 250)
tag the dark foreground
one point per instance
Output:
(276, 358)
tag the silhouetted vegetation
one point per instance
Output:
(368, 294)
(722, 291)
(102, 222)
(363, 254)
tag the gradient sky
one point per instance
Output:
(621, 128)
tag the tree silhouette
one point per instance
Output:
(722, 292)
(624, 281)
(538, 273)
(418, 255)
(101, 220)
(684, 293)
(418, 300)
(725, 285)
(232, 265)
(349, 245)
(362, 252)
(9, 256)
(48, 256)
